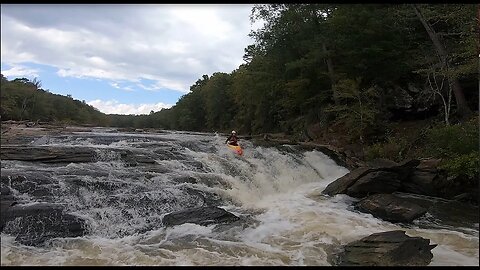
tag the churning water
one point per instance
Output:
(277, 190)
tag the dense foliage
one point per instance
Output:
(318, 63)
(457, 145)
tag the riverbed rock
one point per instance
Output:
(391, 248)
(374, 182)
(7, 199)
(443, 213)
(47, 154)
(34, 224)
(382, 177)
(201, 215)
(341, 185)
(390, 208)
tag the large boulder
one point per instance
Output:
(359, 183)
(374, 182)
(390, 208)
(201, 215)
(424, 179)
(341, 185)
(428, 179)
(392, 248)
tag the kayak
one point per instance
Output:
(236, 148)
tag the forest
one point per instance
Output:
(398, 80)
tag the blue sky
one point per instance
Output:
(123, 59)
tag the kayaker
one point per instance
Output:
(232, 139)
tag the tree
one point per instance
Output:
(462, 108)
(438, 89)
(37, 83)
(357, 110)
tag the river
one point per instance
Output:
(277, 190)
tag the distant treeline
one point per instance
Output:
(358, 65)
(22, 99)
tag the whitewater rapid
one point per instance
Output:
(292, 223)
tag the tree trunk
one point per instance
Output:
(24, 106)
(478, 46)
(478, 30)
(462, 108)
(331, 74)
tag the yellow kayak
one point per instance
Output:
(236, 148)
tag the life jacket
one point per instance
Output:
(232, 140)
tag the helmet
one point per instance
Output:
(233, 132)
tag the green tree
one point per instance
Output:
(357, 110)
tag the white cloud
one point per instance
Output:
(173, 45)
(20, 71)
(114, 107)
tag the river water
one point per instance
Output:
(278, 190)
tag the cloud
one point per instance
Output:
(114, 107)
(20, 71)
(172, 45)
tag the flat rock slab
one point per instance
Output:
(202, 216)
(392, 248)
(390, 208)
(47, 154)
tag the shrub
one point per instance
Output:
(464, 165)
(454, 140)
(457, 145)
(393, 149)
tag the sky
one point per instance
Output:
(122, 58)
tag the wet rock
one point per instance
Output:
(34, 224)
(392, 248)
(19, 182)
(42, 192)
(33, 183)
(169, 153)
(426, 179)
(202, 215)
(374, 182)
(4, 191)
(134, 159)
(93, 184)
(421, 182)
(208, 198)
(443, 212)
(196, 166)
(341, 185)
(6, 199)
(389, 171)
(185, 179)
(403, 169)
(390, 208)
(47, 154)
